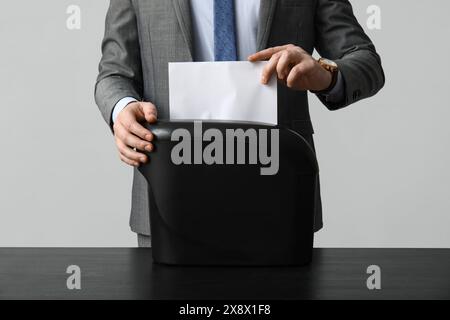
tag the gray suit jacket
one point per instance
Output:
(143, 36)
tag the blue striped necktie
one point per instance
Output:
(224, 31)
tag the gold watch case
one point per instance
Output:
(328, 65)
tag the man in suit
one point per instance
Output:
(143, 36)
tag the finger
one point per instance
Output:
(128, 161)
(270, 68)
(129, 153)
(295, 77)
(149, 111)
(267, 53)
(287, 61)
(131, 125)
(133, 141)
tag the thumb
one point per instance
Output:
(149, 111)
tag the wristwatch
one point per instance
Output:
(331, 67)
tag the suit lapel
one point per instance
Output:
(183, 13)
(266, 12)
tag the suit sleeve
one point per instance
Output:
(120, 71)
(341, 38)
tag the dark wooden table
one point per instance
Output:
(130, 274)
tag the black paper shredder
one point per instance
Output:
(230, 214)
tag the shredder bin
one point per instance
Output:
(231, 214)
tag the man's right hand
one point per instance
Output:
(130, 135)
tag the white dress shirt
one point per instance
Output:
(247, 21)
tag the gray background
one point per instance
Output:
(384, 161)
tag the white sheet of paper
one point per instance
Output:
(221, 91)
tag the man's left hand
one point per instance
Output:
(294, 67)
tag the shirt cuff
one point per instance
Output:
(337, 94)
(120, 106)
